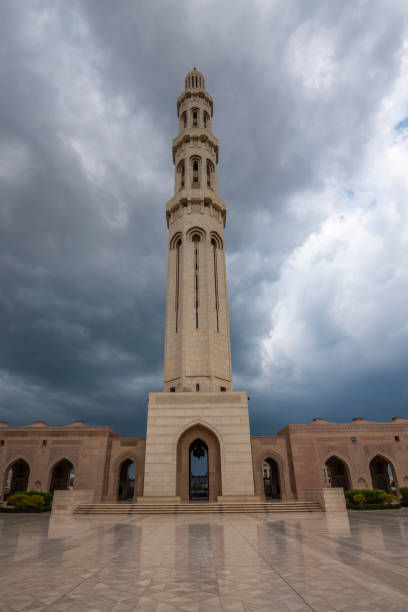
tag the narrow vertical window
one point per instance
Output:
(196, 182)
(184, 119)
(195, 118)
(217, 305)
(208, 174)
(182, 175)
(196, 240)
(177, 304)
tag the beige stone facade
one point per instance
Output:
(197, 343)
(198, 418)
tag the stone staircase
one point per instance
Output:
(199, 508)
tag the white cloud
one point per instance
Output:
(340, 304)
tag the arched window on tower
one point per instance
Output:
(206, 119)
(210, 171)
(181, 172)
(183, 120)
(196, 172)
(195, 117)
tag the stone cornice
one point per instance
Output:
(186, 197)
(359, 428)
(202, 133)
(193, 93)
(64, 431)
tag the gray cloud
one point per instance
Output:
(307, 96)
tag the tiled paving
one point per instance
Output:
(245, 563)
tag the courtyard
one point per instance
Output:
(236, 563)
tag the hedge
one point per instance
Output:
(404, 496)
(370, 498)
(29, 501)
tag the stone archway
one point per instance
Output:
(336, 473)
(209, 441)
(16, 477)
(271, 479)
(62, 476)
(383, 474)
(126, 481)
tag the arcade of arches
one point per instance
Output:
(199, 477)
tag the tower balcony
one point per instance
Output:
(187, 197)
(192, 92)
(200, 133)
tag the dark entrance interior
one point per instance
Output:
(127, 474)
(382, 473)
(62, 476)
(199, 489)
(17, 478)
(272, 487)
(336, 473)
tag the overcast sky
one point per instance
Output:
(311, 110)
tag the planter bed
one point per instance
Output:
(375, 507)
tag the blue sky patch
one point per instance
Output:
(402, 125)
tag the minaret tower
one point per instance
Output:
(197, 345)
(198, 415)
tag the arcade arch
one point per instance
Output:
(62, 476)
(383, 474)
(336, 473)
(16, 479)
(126, 481)
(271, 479)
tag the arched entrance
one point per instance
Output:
(198, 487)
(127, 476)
(62, 477)
(271, 479)
(383, 475)
(16, 478)
(198, 465)
(336, 473)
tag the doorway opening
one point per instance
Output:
(199, 485)
(17, 478)
(271, 479)
(127, 475)
(383, 475)
(63, 475)
(336, 473)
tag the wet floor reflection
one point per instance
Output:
(240, 562)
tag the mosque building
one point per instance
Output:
(198, 445)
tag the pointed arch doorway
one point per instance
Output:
(198, 465)
(199, 481)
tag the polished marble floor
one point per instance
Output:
(246, 563)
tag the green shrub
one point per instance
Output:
(369, 497)
(404, 496)
(30, 501)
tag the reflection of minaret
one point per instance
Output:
(197, 346)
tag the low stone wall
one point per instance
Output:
(65, 502)
(331, 499)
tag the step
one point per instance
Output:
(205, 508)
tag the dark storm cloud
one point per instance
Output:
(304, 95)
